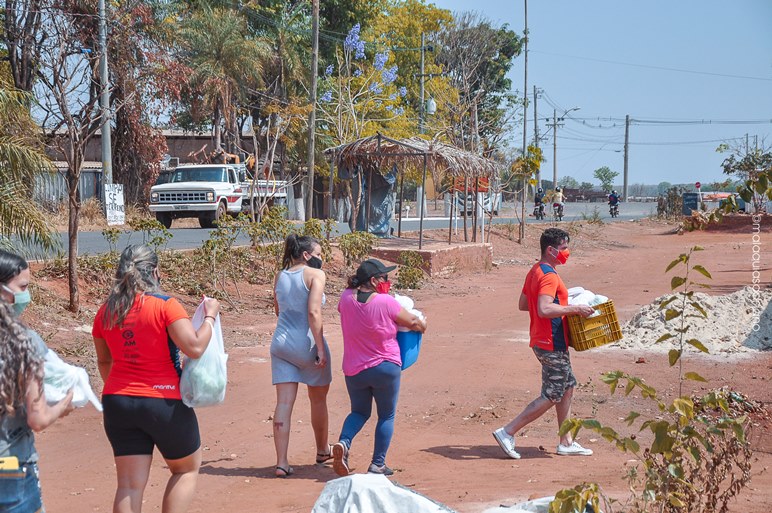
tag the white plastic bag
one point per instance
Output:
(586, 297)
(60, 377)
(408, 304)
(204, 379)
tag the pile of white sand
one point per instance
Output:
(737, 322)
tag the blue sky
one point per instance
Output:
(605, 57)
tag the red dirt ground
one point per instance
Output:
(475, 373)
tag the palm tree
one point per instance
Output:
(284, 28)
(21, 158)
(225, 61)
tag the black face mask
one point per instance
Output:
(314, 262)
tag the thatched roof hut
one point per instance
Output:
(382, 152)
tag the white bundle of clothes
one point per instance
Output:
(409, 305)
(59, 377)
(581, 296)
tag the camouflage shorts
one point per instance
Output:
(556, 373)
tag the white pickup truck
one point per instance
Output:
(209, 192)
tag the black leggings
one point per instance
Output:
(134, 425)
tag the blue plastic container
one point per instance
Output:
(409, 347)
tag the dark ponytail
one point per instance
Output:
(11, 265)
(353, 282)
(294, 247)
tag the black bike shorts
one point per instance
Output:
(134, 425)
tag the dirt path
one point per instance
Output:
(475, 373)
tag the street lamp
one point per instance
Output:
(424, 107)
(555, 126)
(431, 106)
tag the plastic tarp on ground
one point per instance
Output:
(380, 197)
(371, 493)
(541, 505)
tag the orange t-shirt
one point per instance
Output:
(547, 334)
(146, 362)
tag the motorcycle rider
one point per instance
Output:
(538, 200)
(559, 199)
(613, 201)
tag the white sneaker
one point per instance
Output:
(573, 450)
(507, 443)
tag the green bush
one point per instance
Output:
(154, 234)
(356, 246)
(593, 218)
(411, 273)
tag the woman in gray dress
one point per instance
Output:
(299, 353)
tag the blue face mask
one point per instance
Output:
(20, 299)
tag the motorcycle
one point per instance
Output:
(557, 211)
(538, 211)
(613, 210)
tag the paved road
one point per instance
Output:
(187, 238)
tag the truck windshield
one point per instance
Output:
(163, 177)
(200, 174)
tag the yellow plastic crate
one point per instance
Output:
(590, 332)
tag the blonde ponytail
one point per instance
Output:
(136, 274)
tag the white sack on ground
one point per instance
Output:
(361, 493)
(60, 377)
(540, 505)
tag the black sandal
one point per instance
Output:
(324, 458)
(285, 472)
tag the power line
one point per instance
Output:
(650, 143)
(662, 122)
(662, 68)
(617, 122)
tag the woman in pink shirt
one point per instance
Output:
(372, 364)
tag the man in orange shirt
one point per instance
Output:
(545, 298)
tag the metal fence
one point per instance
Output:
(51, 188)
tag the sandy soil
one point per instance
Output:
(475, 373)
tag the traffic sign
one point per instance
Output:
(114, 206)
(698, 184)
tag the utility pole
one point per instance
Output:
(104, 103)
(554, 148)
(627, 146)
(423, 105)
(525, 122)
(536, 132)
(312, 114)
(556, 122)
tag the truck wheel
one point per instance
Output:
(209, 220)
(165, 218)
(206, 221)
(222, 211)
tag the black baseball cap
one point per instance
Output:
(370, 268)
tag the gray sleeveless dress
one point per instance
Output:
(293, 350)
